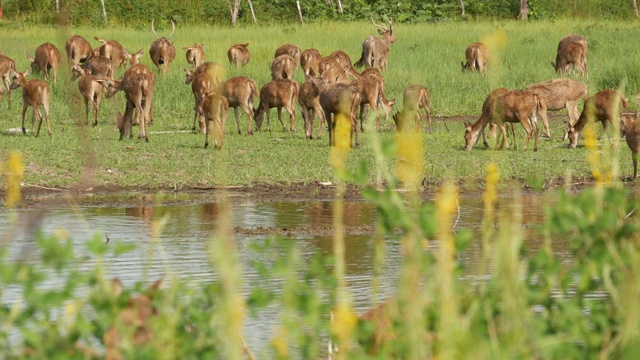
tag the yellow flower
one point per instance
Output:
(344, 324)
(341, 142)
(14, 174)
(410, 165)
(490, 195)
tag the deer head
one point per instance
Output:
(387, 33)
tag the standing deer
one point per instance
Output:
(99, 66)
(201, 85)
(214, 70)
(239, 92)
(113, 50)
(345, 62)
(162, 51)
(556, 94)
(78, 50)
(215, 108)
(137, 68)
(604, 105)
(477, 55)
(340, 98)
(375, 50)
(91, 87)
(289, 49)
(238, 54)
(279, 93)
(310, 62)
(47, 58)
(282, 67)
(415, 97)
(194, 54)
(34, 93)
(631, 127)
(371, 88)
(138, 90)
(309, 99)
(572, 52)
(332, 71)
(7, 64)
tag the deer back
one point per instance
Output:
(194, 54)
(6, 65)
(78, 49)
(555, 93)
(113, 50)
(100, 66)
(238, 54)
(282, 67)
(47, 55)
(310, 62)
(240, 90)
(289, 49)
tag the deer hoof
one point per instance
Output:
(24, 131)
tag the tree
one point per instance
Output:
(524, 9)
(635, 8)
(234, 11)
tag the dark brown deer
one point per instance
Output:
(572, 52)
(34, 93)
(557, 94)
(477, 55)
(309, 99)
(279, 93)
(239, 55)
(631, 127)
(604, 105)
(371, 88)
(416, 97)
(162, 51)
(7, 65)
(239, 92)
(344, 99)
(138, 90)
(47, 58)
(289, 49)
(507, 107)
(214, 70)
(91, 87)
(78, 50)
(282, 67)
(99, 66)
(375, 50)
(113, 50)
(201, 85)
(194, 54)
(215, 108)
(310, 62)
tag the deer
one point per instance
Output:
(339, 98)
(239, 92)
(631, 127)
(215, 109)
(415, 97)
(289, 49)
(279, 93)
(194, 54)
(282, 67)
(375, 50)
(201, 85)
(503, 107)
(138, 90)
(162, 51)
(604, 105)
(309, 99)
(310, 62)
(572, 52)
(371, 88)
(7, 64)
(99, 66)
(35, 92)
(91, 87)
(332, 71)
(477, 55)
(78, 50)
(556, 94)
(113, 50)
(137, 68)
(47, 58)
(345, 61)
(215, 71)
(238, 54)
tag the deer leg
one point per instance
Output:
(362, 116)
(36, 112)
(634, 157)
(545, 121)
(86, 110)
(280, 118)
(292, 117)
(206, 133)
(248, 109)
(307, 124)
(96, 101)
(45, 106)
(428, 117)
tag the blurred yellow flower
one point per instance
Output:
(410, 165)
(341, 142)
(14, 174)
(344, 324)
(490, 195)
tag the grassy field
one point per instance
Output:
(429, 54)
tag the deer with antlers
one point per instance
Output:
(605, 106)
(238, 54)
(571, 53)
(375, 50)
(477, 55)
(46, 59)
(162, 51)
(279, 93)
(7, 64)
(91, 87)
(78, 50)
(194, 54)
(34, 93)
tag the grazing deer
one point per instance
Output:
(572, 52)
(282, 67)
(135, 58)
(91, 87)
(214, 70)
(289, 49)
(215, 108)
(138, 90)
(201, 85)
(375, 50)
(99, 66)
(113, 50)
(194, 54)
(7, 64)
(503, 107)
(34, 93)
(162, 51)
(238, 54)
(631, 127)
(604, 105)
(239, 92)
(47, 58)
(279, 93)
(477, 55)
(332, 71)
(310, 62)
(416, 97)
(345, 61)
(78, 50)
(556, 94)
(371, 88)
(340, 98)
(309, 99)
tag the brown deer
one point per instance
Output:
(78, 50)
(375, 50)
(345, 61)
(194, 54)
(604, 105)
(138, 68)
(416, 97)
(113, 50)
(91, 87)
(282, 67)
(201, 85)
(138, 90)
(631, 127)
(340, 98)
(371, 88)
(332, 71)
(34, 93)
(215, 108)
(477, 55)
(289, 49)
(556, 94)
(99, 66)
(239, 92)
(47, 58)
(7, 64)
(507, 107)
(310, 62)
(572, 52)
(238, 54)
(215, 71)
(309, 99)
(135, 58)
(162, 51)
(279, 93)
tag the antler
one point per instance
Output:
(152, 29)
(390, 21)
(383, 27)
(173, 25)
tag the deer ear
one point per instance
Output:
(30, 58)
(26, 72)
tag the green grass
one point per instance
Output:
(425, 53)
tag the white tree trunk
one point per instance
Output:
(104, 13)
(635, 7)
(339, 7)
(299, 12)
(462, 7)
(524, 10)
(58, 6)
(253, 14)
(234, 11)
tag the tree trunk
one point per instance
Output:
(234, 11)
(58, 6)
(339, 7)
(524, 10)
(104, 13)
(299, 12)
(253, 14)
(462, 7)
(635, 7)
